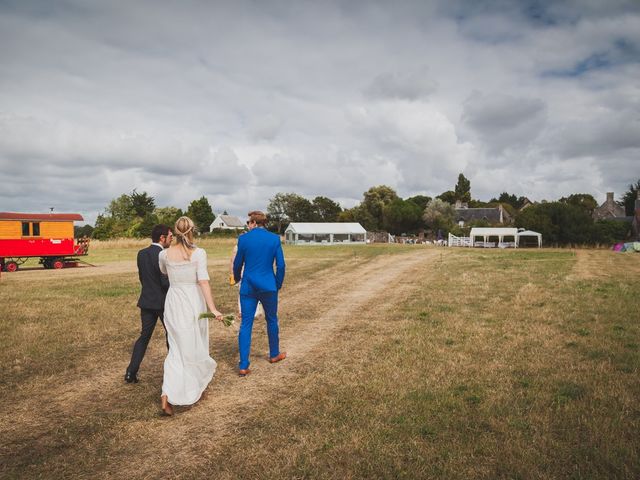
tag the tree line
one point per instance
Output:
(133, 215)
(565, 221)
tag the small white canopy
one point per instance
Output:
(530, 233)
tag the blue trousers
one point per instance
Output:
(248, 304)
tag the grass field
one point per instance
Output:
(404, 362)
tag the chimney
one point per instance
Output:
(609, 197)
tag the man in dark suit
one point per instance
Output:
(151, 301)
(258, 250)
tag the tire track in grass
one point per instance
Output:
(312, 310)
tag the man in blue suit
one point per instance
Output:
(258, 249)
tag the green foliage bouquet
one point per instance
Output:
(227, 320)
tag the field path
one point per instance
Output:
(312, 311)
(338, 299)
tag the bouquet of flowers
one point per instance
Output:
(227, 320)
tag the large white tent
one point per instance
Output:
(508, 236)
(324, 233)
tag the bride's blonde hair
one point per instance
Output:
(184, 231)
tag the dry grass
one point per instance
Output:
(404, 362)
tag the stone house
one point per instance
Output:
(492, 215)
(609, 210)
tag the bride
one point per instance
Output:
(188, 368)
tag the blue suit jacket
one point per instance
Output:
(258, 249)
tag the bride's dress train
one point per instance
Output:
(188, 368)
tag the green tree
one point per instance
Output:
(83, 231)
(277, 212)
(559, 223)
(630, 197)
(201, 213)
(299, 209)
(144, 227)
(104, 227)
(325, 209)
(582, 200)
(608, 232)
(509, 199)
(288, 207)
(142, 204)
(168, 215)
(463, 189)
(402, 216)
(373, 203)
(121, 208)
(449, 196)
(420, 200)
(439, 215)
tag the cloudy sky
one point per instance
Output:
(238, 100)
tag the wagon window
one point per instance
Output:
(25, 229)
(36, 229)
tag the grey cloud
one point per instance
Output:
(504, 121)
(104, 97)
(411, 85)
(264, 127)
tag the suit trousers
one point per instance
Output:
(249, 303)
(149, 319)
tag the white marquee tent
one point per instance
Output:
(300, 233)
(501, 233)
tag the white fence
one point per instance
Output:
(459, 241)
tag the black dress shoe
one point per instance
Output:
(130, 377)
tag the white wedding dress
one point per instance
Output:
(188, 368)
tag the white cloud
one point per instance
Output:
(240, 100)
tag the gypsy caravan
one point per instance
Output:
(48, 236)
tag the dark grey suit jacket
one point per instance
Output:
(154, 283)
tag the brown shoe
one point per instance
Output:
(281, 356)
(166, 406)
(244, 373)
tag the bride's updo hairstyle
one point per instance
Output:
(184, 231)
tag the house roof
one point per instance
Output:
(324, 227)
(232, 221)
(42, 217)
(469, 214)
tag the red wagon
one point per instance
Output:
(48, 236)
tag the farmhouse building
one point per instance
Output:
(324, 233)
(609, 210)
(227, 222)
(492, 215)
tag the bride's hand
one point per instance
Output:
(217, 314)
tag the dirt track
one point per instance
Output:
(343, 294)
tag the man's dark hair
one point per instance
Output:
(158, 231)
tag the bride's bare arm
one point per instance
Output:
(208, 298)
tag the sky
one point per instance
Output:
(239, 100)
